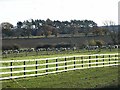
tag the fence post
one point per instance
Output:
(82, 61)
(65, 64)
(96, 60)
(103, 60)
(56, 65)
(11, 68)
(24, 68)
(115, 59)
(109, 59)
(89, 61)
(74, 62)
(46, 65)
(36, 68)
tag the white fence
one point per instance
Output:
(35, 67)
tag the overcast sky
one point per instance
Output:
(96, 10)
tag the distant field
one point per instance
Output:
(46, 54)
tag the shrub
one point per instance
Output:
(38, 46)
(16, 47)
(7, 47)
(82, 46)
(92, 43)
(46, 46)
(99, 43)
(63, 46)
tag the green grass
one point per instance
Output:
(49, 61)
(86, 78)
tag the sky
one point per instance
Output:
(97, 10)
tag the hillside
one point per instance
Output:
(33, 42)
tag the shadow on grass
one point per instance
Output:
(106, 88)
(103, 88)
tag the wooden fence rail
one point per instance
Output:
(35, 67)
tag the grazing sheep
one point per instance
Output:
(116, 46)
(74, 48)
(21, 50)
(49, 49)
(68, 48)
(16, 51)
(10, 51)
(30, 50)
(92, 47)
(5, 52)
(62, 49)
(37, 50)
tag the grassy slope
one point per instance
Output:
(86, 78)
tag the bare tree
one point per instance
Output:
(47, 30)
(110, 25)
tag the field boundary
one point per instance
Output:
(52, 65)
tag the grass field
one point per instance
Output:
(84, 78)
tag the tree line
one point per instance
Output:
(48, 27)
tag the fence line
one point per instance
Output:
(56, 58)
(53, 63)
(68, 63)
